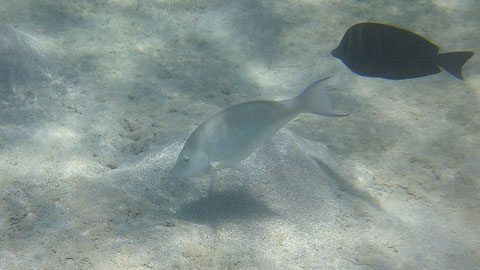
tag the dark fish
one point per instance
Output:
(379, 50)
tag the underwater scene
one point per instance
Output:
(250, 134)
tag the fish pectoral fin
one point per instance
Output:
(217, 165)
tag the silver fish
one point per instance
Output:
(233, 134)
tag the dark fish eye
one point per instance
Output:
(186, 158)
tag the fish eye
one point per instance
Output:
(186, 158)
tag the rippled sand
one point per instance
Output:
(98, 97)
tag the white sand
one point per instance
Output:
(98, 98)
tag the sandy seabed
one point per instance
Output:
(98, 97)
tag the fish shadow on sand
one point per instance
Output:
(343, 185)
(224, 207)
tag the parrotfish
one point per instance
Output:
(231, 135)
(385, 51)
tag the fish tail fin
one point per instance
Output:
(453, 62)
(314, 100)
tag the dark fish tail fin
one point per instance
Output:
(453, 62)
